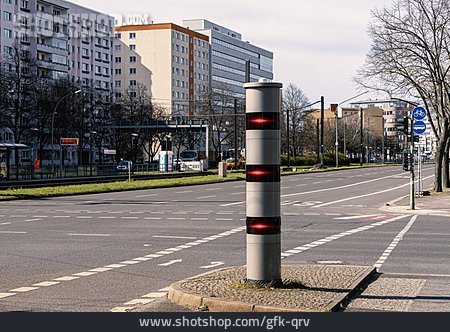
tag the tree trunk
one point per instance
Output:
(440, 150)
(445, 169)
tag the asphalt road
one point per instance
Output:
(116, 251)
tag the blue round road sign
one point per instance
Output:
(419, 127)
(419, 113)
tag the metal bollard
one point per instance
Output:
(263, 182)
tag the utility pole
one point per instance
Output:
(318, 140)
(362, 136)
(288, 139)
(235, 136)
(412, 193)
(322, 120)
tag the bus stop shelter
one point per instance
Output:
(5, 166)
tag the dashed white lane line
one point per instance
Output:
(199, 219)
(153, 218)
(213, 189)
(106, 217)
(129, 218)
(148, 195)
(205, 197)
(23, 289)
(84, 217)
(330, 238)
(12, 232)
(357, 217)
(174, 237)
(46, 283)
(175, 218)
(61, 217)
(133, 261)
(394, 243)
(184, 192)
(239, 193)
(89, 235)
(145, 299)
(5, 223)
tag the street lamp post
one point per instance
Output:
(133, 135)
(53, 128)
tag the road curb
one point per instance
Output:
(179, 296)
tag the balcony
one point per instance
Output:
(47, 64)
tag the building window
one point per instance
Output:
(132, 35)
(132, 47)
(118, 48)
(133, 59)
(118, 36)
(7, 33)
(7, 16)
(133, 83)
(133, 71)
(118, 59)
(118, 84)
(118, 71)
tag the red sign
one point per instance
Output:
(69, 141)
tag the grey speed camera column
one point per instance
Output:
(263, 182)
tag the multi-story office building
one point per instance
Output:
(229, 54)
(64, 39)
(171, 62)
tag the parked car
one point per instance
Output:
(124, 165)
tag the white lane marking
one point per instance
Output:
(330, 238)
(357, 217)
(321, 190)
(213, 189)
(184, 192)
(212, 265)
(5, 223)
(205, 197)
(89, 235)
(157, 212)
(131, 262)
(46, 283)
(23, 289)
(61, 216)
(84, 274)
(141, 259)
(331, 262)
(394, 243)
(3, 295)
(39, 217)
(115, 212)
(199, 219)
(67, 278)
(8, 232)
(84, 217)
(130, 218)
(148, 195)
(224, 219)
(157, 255)
(30, 220)
(311, 214)
(175, 218)
(366, 195)
(136, 212)
(175, 261)
(165, 289)
(175, 237)
(106, 217)
(317, 182)
(239, 193)
(155, 295)
(139, 301)
(153, 218)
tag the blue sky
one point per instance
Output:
(318, 45)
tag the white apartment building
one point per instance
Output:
(171, 62)
(64, 38)
(229, 54)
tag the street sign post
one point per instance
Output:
(419, 127)
(419, 113)
(263, 182)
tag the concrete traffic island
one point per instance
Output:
(306, 288)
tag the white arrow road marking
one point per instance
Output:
(171, 262)
(213, 264)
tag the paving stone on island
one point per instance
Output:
(388, 294)
(306, 288)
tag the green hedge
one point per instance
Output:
(329, 160)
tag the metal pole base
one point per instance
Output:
(263, 259)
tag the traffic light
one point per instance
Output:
(405, 161)
(404, 125)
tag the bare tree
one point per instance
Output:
(294, 102)
(410, 57)
(217, 107)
